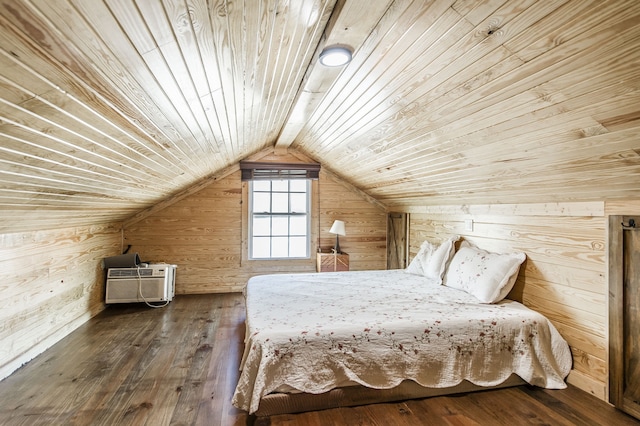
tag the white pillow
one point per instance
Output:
(415, 267)
(431, 260)
(487, 276)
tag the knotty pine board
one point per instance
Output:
(51, 282)
(202, 234)
(564, 276)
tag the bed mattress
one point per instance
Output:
(316, 332)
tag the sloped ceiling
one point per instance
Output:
(110, 106)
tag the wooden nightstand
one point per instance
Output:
(331, 262)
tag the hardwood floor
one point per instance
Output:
(133, 365)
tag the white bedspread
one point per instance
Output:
(315, 332)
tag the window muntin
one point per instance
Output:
(279, 219)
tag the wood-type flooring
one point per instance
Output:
(178, 365)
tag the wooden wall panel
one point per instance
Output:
(366, 224)
(50, 283)
(564, 276)
(622, 207)
(202, 234)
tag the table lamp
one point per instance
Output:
(338, 229)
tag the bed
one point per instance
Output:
(323, 340)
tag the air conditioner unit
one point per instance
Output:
(154, 283)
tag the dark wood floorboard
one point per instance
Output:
(178, 365)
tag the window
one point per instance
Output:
(279, 219)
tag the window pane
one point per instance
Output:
(298, 185)
(261, 185)
(261, 202)
(280, 247)
(261, 225)
(298, 247)
(279, 223)
(280, 185)
(298, 225)
(261, 247)
(280, 203)
(280, 226)
(299, 203)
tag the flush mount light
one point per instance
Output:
(335, 56)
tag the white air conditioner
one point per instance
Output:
(154, 283)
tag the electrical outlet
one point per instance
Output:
(468, 225)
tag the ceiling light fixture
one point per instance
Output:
(335, 56)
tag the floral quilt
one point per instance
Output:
(316, 332)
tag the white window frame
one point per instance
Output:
(271, 214)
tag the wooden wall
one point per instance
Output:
(50, 283)
(564, 276)
(202, 234)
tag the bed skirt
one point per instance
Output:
(281, 403)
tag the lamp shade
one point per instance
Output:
(338, 228)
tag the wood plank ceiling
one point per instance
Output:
(109, 106)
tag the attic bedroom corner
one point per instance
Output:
(319, 212)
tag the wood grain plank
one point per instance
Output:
(203, 236)
(564, 284)
(444, 102)
(106, 370)
(77, 87)
(47, 297)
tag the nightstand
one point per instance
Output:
(331, 262)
